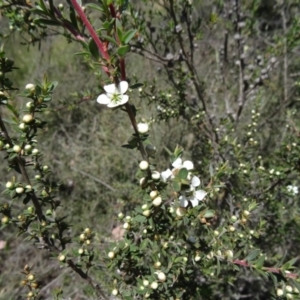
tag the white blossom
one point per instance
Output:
(292, 189)
(115, 95)
(194, 196)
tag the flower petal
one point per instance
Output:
(177, 164)
(200, 195)
(188, 165)
(165, 175)
(123, 87)
(103, 99)
(194, 201)
(183, 201)
(111, 88)
(195, 181)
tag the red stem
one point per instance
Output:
(91, 30)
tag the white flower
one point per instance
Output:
(293, 189)
(193, 196)
(165, 175)
(114, 95)
(143, 127)
(177, 164)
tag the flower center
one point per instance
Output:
(116, 98)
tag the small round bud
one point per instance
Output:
(146, 213)
(17, 148)
(157, 201)
(19, 190)
(120, 216)
(60, 6)
(48, 212)
(142, 128)
(27, 119)
(114, 292)
(144, 165)
(246, 213)
(30, 209)
(30, 295)
(157, 264)
(151, 150)
(127, 218)
(229, 254)
(88, 242)
(145, 282)
(35, 151)
(22, 126)
(289, 289)
(28, 147)
(231, 228)
(197, 257)
(153, 194)
(62, 257)
(37, 177)
(233, 218)
(143, 182)
(161, 276)
(154, 285)
(29, 104)
(126, 226)
(34, 285)
(180, 211)
(155, 175)
(30, 87)
(144, 207)
(111, 254)
(82, 237)
(80, 251)
(279, 292)
(9, 185)
(216, 232)
(30, 277)
(5, 220)
(45, 168)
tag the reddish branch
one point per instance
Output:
(244, 263)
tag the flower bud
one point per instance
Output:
(35, 151)
(37, 177)
(157, 264)
(82, 237)
(145, 282)
(154, 285)
(126, 226)
(155, 175)
(180, 211)
(60, 6)
(5, 220)
(153, 194)
(22, 126)
(233, 218)
(30, 277)
(120, 216)
(144, 165)
(9, 185)
(111, 254)
(19, 190)
(17, 148)
(142, 128)
(114, 292)
(27, 118)
(29, 104)
(62, 257)
(229, 253)
(279, 292)
(30, 87)
(146, 213)
(289, 289)
(128, 218)
(143, 182)
(157, 201)
(161, 276)
(45, 168)
(151, 150)
(231, 228)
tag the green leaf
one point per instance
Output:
(108, 38)
(47, 22)
(43, 6)
(136, 86)
(73, 17)
(128, 36)
(123, 50)
(260, 262)
(93, 49)
(176, 186)
(183, 173)
(94, 6)
(252, 255)
(209, 214)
